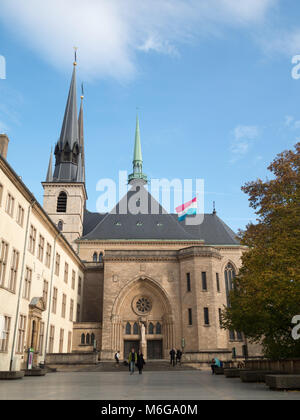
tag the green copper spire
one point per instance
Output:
(137, 157)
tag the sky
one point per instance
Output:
(212, 80)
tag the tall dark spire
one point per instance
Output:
(67, 149)
(49, 177)
(81, 135)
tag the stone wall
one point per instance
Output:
(72, 358)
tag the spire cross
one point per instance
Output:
(75, 55)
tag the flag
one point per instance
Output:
(187, 209)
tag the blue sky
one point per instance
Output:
(211, 78)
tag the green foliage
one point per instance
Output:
(267, 290)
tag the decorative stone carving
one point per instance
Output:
(142, 305)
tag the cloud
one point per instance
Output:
(291, 122)
(3, 128)
(242, 141)
(111, 34)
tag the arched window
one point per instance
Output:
(229, 275)
(135, 328)
(158, 328)
(151, 328)
(128, 328)
(62, 203)
(87, 339)
(60, 225)
(101, 257)
(92, 339)
(95, 257)
(82, 339)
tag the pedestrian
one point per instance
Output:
(215, 364)
(132, 359)
(172, 357)
(178, 356)
(117, 358)
(140, 362)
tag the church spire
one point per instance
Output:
(137, 157)
(49, 177)
(67, 150)
(81, 135)
(69, 131)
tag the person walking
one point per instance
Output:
(117, 358)
(140, 362)
(178, 356)
(132, 359)
(172, 357)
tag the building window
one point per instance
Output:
(206, 316)
(79, 286)
(1, 194)
(158, 328)
(101, 257)
(190, 316)
(61, 341)
(82, 339)
(57, 264)
(48, 255)
(218, 282)
(128, 329)
(66, 275)
(87, 339)
(54, 300)
(239, 336)
(21, 334)
(151, 328)
(188, 282)
(78, 313)
(14, 270)
(62, 203)
(60, 225)
(5, 337)
(220, 317)
(51, 338)
(41, 338)
(95, 257)
(10, 203)
(73, 279)
(93, 339)
(135, 328)
(229, 275)
(45, 293)
(71, 309)
(20, 215)
(41, 248)
(27, 283)
(204, 281)
(32, 239)
(232, 335)
(63, 306)
(3, 262)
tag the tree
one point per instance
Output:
(266, 293)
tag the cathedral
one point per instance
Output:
(149, 280)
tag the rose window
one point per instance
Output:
(143, 305)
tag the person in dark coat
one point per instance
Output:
(132, 359)
(172, 357)
(140, 362)
(178, 356)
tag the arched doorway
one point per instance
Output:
(142, 318)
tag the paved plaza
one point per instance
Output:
(177, 385)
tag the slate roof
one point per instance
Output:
(162, 226)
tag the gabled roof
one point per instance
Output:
(159, 226)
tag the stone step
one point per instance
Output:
(7, 375)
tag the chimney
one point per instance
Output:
(4, 140)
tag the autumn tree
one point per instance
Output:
(266, 293)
